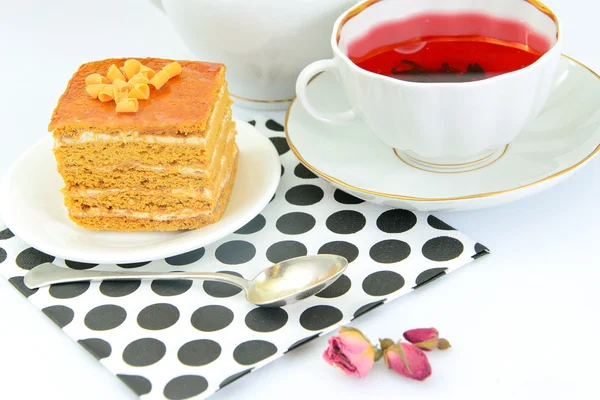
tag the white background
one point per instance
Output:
(524, 322)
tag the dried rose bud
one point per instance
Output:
(426, 339)
(351, 351)
(407, 360)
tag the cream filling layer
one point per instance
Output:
(133, 136)
(154, 216)
(179, 170)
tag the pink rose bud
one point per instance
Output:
(426, 339)
(351, 351)
(408, 360)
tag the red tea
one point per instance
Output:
(448, 48)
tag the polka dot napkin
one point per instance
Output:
(184, 339)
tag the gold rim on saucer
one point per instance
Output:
(260, 101)
(401, 197)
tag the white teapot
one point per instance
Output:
(263, 43)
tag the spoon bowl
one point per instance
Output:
(295, 279)
(281, 284)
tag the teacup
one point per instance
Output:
(448, 125)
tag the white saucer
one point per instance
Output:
(563, 138)
(32, 207)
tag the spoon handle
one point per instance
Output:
(48, 274)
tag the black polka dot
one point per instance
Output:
(443, 248)
(266, 319)
(382, 283)
(340, 248)
(138, 384)
(389, 251)
(346, 198)
(282, 170)
(105, 317)
(429, 275)
(234, 377)
(199, 352)
(304, 173)
(97, 347)
(186, 258)
(220, 289)
(6, 234)
(158, 316)
(119, 288)
(346, 222)
(211, 318)
(144, 352)
(295, 223)
(338, 288)
(253, 351)
(480, 251)
(30, 258)
(274, 126)
(396, 221)
(252, 122)
(235, 252)
(79, 265)
(68, 290)
(134, 265)
(173, 287)
(61, 315)
(281, 145)
(438, 224)
(302, 342)
(317, 318)
(253, 226)
(366, 308)
(17, 281)
(185, 386)
(304, 195)
(2, 255)
(281, 251)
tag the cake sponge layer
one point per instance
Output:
(163, 201)
(147, 177)
(124, 223)
(103, 153)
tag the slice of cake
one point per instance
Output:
(145, 148)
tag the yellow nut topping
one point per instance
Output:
(129, 83)
(131, 68)
(120, 84)
(149, 72)
(128, 105)
(114, 73)
(139, 78)
(107, 93)
(140, 91)
(172, 69)
(159, 79)
(94, 89)
(120, 94)
(94, 79)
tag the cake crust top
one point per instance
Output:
(181, 107)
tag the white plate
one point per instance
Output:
(33, 209)
(563, 138)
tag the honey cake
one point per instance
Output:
(169, 165)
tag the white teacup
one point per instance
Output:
(445, 126)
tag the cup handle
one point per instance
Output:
(304, 78)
